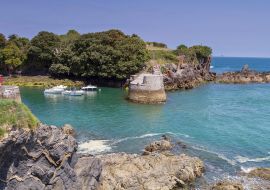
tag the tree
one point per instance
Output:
(42, 51)
(194, 54)
(202, 53)
(110, 54)
(59, 70)
(2, 41)
(12, 57)
(69, 37)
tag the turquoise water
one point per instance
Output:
(228, 126)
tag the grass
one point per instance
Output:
(163, 56)
(15, 114)
(39, 81)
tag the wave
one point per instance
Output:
(148, 135)
(221, 156)
(94, 146)
(211, 67)
(246, 169)
(242, 159)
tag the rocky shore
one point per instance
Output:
(47, 158)
(244, 76)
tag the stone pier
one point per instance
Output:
(10, 92)
(147, 88)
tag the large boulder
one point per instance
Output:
(158, 146)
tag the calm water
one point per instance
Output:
(228, 126)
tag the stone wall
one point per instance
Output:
(147, 88)
(10, 92)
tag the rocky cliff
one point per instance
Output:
(187, 76)
(42, 159)
(47, 158)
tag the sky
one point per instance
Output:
(231, 27)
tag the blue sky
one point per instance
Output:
(230, 27)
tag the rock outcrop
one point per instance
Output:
(263, 173)
(187, 76)
(156, 171)
(158, 146)
(227, 185)
(244, 76)
(42, 159)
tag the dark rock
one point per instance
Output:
(42, 159)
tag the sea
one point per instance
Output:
(225, 125)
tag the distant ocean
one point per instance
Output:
(226, 125)
(224, 64)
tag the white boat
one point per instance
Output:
(73, 92)
(89, 88)
(55, 90)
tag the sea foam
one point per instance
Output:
(94, 146)
(242, 159)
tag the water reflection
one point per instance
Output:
(56, 97)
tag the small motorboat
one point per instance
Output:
(89, 88)
(55, 90)
(73, 92)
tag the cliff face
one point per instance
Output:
(187, 76)
(47, 158)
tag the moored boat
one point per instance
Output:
(89, 88)
(73, 92)
(55, 90)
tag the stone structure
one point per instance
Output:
(10, 92)
(147, 87)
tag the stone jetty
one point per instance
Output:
(10, 92)
(147, 88)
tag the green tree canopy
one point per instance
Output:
(42, 51)
(194, 54)
(12, 57)
(109, 54)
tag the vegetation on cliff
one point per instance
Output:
(15, 114)
(191, 55)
